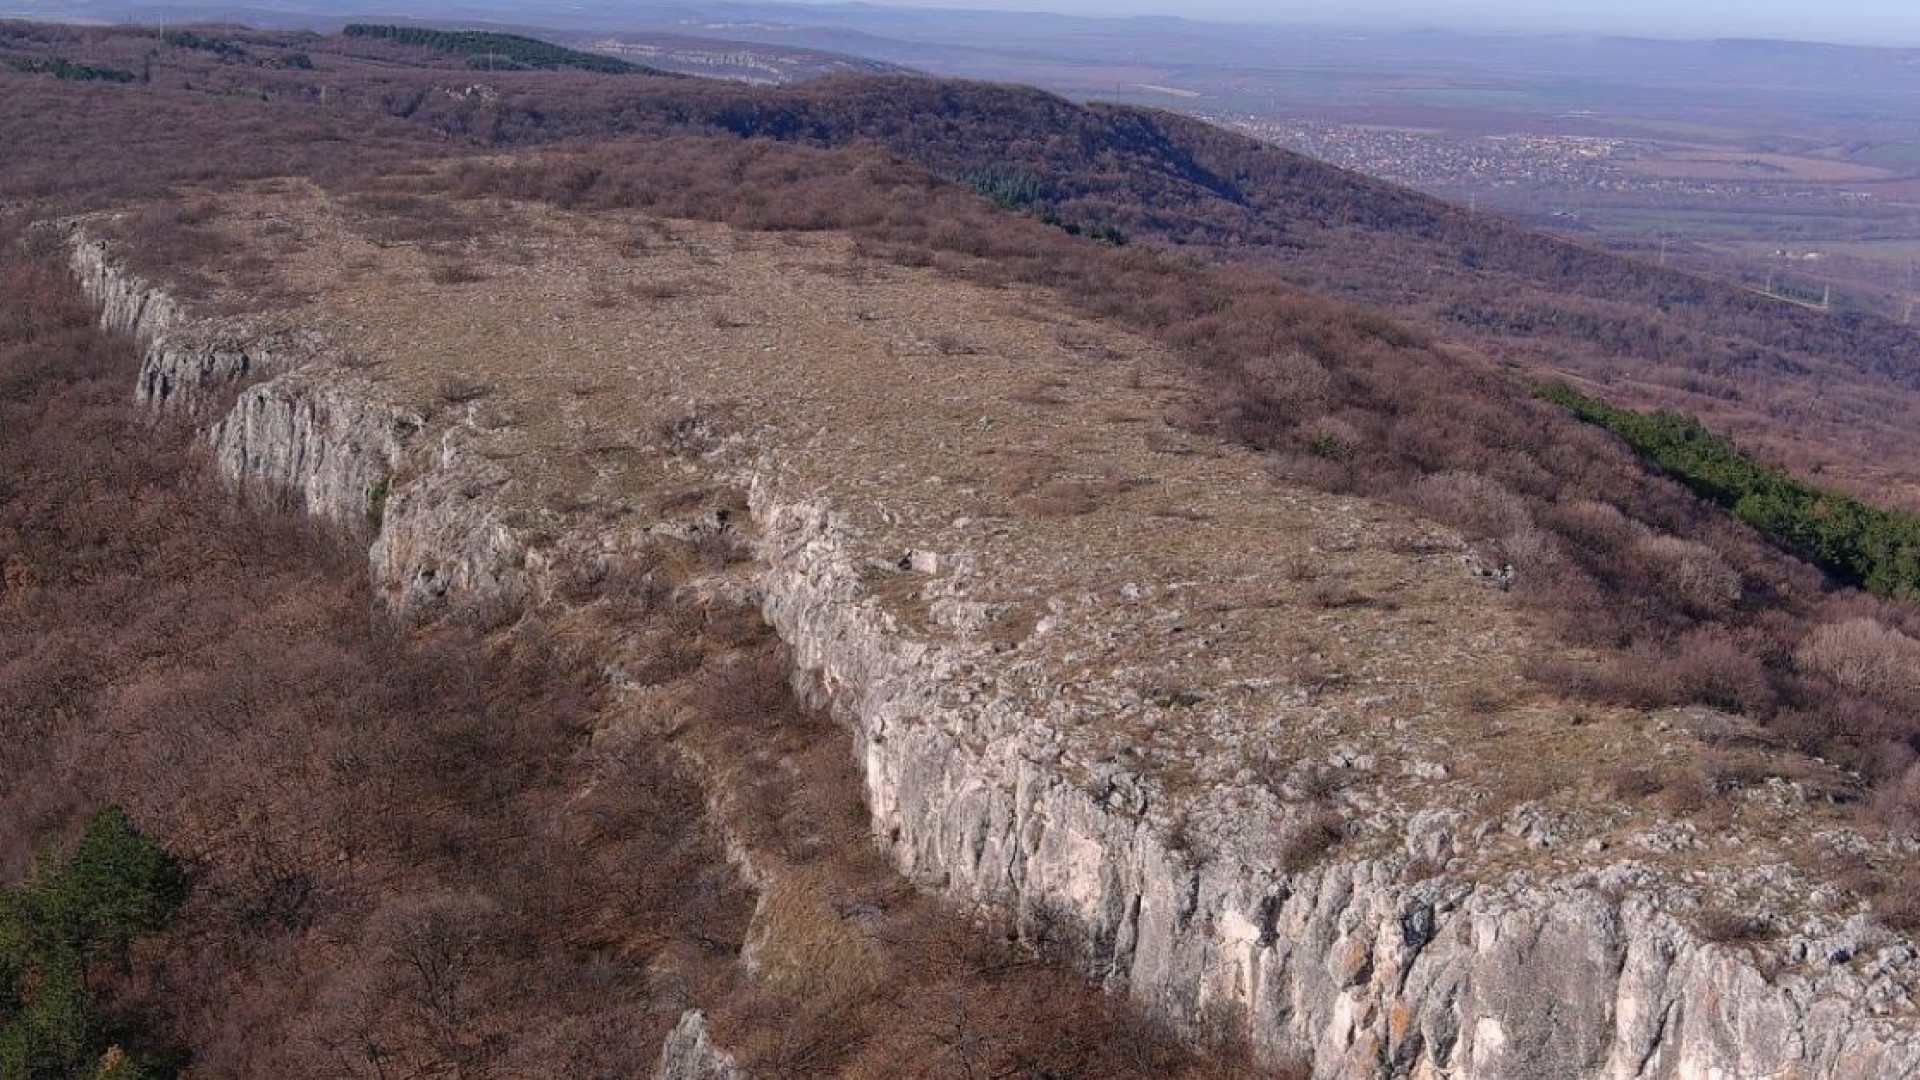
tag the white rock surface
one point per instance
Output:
(1372, 976)
(180, 359)
(689, 1054)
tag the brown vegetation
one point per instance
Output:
(393, 866)
(1311, 839)
(1723, 926)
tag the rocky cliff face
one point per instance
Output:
(1373, 969)
(129, 304)
(181, 360)
(1374, 975)
(332, 445)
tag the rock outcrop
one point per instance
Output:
(1361, 962)
(181, 360)
(129, 304)
(1371, 974)
(689, 1054)
(333, 445)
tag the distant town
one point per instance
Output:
(1518, 170)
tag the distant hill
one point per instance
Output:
(496, 51)
(721, 58)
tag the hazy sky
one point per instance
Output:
(1887, 22)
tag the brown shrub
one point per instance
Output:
(1595, 526)
(692, 434)
(455, 273)
(1631, 781)
(1686, 792)
(458, 389)
(666, 289)
(1899, 906)
(1310, 839)
(1898, 800)
(749, 691)
(1725, 926)
(1696, 575)
(1475, 504)
(1865, 656)
(1702, 666)
(1061, 498)
(1293, 384)
(1336, 592)
(1041, 392)
(1330, 437)
(1709, 666)
(950, 344)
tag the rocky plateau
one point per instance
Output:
(1263, 752)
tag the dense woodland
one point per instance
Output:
(132, 644)
(496, 52)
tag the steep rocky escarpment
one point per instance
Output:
(181, 360)
(332, 445)
(1100, 745)
(1376, 975)
(129, 304)
(335, 448)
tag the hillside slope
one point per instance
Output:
(1833, 389)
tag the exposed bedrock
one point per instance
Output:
(689, 1053)
(181, 360)
(129, 304)
(329, 444)
(1370, 974)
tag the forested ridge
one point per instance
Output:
(496, 51)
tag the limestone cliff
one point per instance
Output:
(1374, 975)
(180, 360)
(129, 304)
(332, 445)
(1369, 965)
